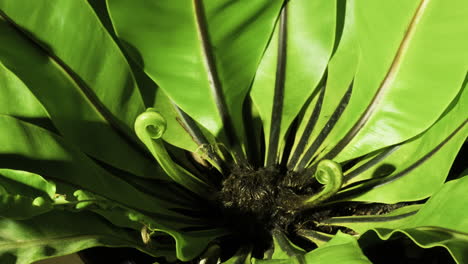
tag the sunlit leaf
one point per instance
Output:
(202, 62)
(440, 222)
(393, 38)
(293, 65)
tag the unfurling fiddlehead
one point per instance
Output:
(150, 127)
(330, 175)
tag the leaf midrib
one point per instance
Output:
(385, 84)
(213, 76)
(376, 183)
(278, 97)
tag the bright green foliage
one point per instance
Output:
(310, 27)
(70, 110)
(121, 121)
(341, 249)
(330, 175)
(24, 195)
(441, 221)
(393, 42)
(215, 81)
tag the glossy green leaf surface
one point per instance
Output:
(341, 249)
(17, 100)
(192, 244)
(242, 132)
(118, 216)
(445, 208)
(27, 183)
(392, 47)
(38, 147)
(91, 54)
(441, 221)
(283, 248)
(125, 201)
(182, 131)
(304, 46)
(340, 74)
(204, 62)
(70, 109)
(418, 168)
(24, 195)
(176, 133)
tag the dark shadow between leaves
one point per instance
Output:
(44, 123)
(8, 258)
(400, 249)
(460, 163)
(146, 85)
(99, 255)
(49, 251)
(383, 170)
(49, 168)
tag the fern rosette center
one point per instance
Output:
(274, 132)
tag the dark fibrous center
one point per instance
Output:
(254, 202)
(251, 203)
(267, 194)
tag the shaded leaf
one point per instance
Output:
(442, 221)
(282, 248)
(39, 151)
(60, 233)
(71, 110)
(24, 194)
(188, 243)
(316, 237)
(18, 101)
(242, 256)
(26, 182)
(361, 224)
(191, 244)
(109, 80)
